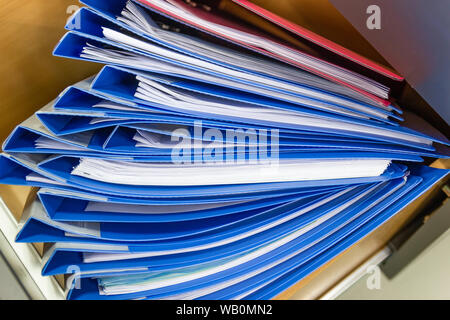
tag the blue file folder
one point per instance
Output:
(277, 231)
(315, 255)
(88, 23)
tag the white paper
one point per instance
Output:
(155, 174)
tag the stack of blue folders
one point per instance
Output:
(225, 175)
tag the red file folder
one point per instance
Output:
(215, 17)
(319, 40)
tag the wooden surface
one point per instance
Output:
(15, 198)
(30, 75)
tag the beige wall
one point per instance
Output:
(30, 75)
